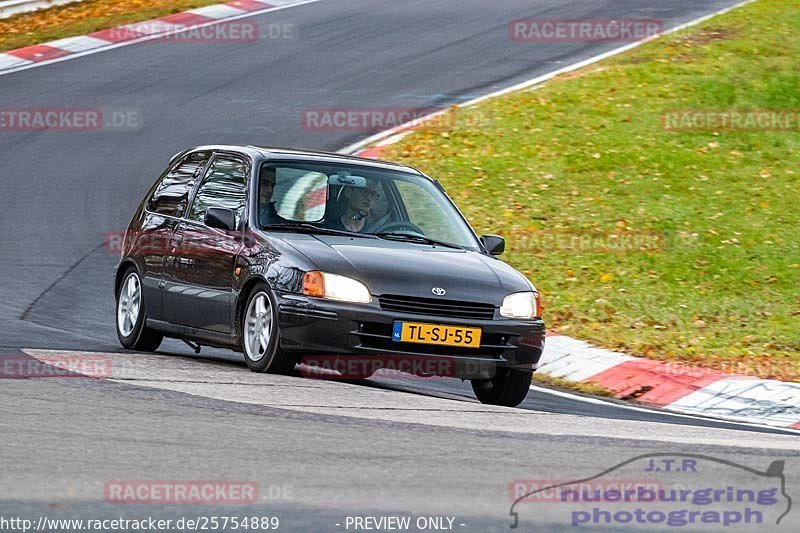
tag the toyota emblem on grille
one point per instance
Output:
(438, 291)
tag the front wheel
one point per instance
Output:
(508, 387)
(261, 336)
(132, 332)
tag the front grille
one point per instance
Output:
(436, 307)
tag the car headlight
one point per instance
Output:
(335, 287)
(521, 305)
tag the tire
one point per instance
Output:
(262, 353)
(508, 387)
(131, 315)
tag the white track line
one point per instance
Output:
(541, 79)
(369, 140)
(112, 46)
(394, 134)
(598, 401)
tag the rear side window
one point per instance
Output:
(172, 194)
(225, 185)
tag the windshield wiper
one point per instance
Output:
(310, 228)
(417, 238)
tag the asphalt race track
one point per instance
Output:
(320, 450)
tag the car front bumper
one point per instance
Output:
(319, 327)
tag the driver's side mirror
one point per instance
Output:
(220, 218)
(494, 244)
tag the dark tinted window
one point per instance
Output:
(223, 186)
(172, 194)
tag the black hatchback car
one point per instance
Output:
(285, 255)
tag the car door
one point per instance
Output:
(199, 274)
(162, 213)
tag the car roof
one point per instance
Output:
(273, 152)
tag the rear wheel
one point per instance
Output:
(131, 316)
(508, 387)
(261, 336)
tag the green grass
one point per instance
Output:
(587, 152)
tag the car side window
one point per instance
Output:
(171, 196)
(225, 185)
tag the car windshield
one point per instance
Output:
(302, 196)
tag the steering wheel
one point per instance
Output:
(401, 225)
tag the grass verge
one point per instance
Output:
(589, 154)
(85, 17)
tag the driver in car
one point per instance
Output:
(358, 206)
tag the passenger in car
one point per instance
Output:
(358, 204)
(267, 214)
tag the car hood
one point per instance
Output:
(400, 268)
